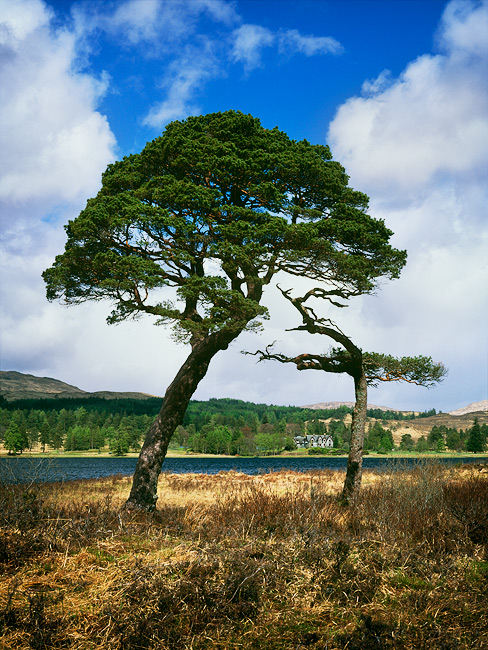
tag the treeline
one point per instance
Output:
(72, 430)
(215, 426)
(219, 426)
(122, 406)
(441, 437)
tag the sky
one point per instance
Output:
(398, 89)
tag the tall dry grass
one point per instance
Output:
(235, 561)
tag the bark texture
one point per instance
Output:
(352, 483)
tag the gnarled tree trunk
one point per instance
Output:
(143, 495)
(352, 483)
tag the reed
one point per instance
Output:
(231, 561)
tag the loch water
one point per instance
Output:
(35, 470)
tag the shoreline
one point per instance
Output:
(172, 453)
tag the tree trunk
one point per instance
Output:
(143, 495)
(354, 473)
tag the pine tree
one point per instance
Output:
(475, 442)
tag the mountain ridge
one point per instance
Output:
(334, 405)
(16, 385)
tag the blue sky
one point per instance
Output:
(398, 89)
(299, 92)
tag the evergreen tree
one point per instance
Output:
(15, 441)
(453, 440)
(19, 418)
(45, 434)
(437, 433)
(422, 445)
(33, 420)
(5, 416)
(57, 436)
(475, 442)
(407, 442)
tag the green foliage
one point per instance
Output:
(15, 440)
(407, 442)
(132, 406)
(119, 441)
(378, 439)
(218, 188)
(476, 438)
(419, 370)
(437, 434)
(453, 440)
(422, 445)
(85, 426)
(316, 428)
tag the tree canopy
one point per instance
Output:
(212, 209)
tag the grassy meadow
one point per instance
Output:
(235, 561)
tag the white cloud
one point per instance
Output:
(183, 78)
(249, 42)
(373, 86)
(464, 29)
(58, 143)
(418, 145)
(221, 10)
(157, 23)
(138, 19)
(432, 120)
(292, 42)
(20, 18)
(171, 32)
(205, 58)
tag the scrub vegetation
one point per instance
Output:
(235, 561)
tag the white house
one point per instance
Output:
(322, 440)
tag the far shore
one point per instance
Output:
(182, 453)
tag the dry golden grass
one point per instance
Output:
(235, 561)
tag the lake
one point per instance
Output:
(28, 470)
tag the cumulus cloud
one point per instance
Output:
(58, 142)
(419, 146)
(463, 29)
(431, 120)
(55, 144)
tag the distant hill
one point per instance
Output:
(475, 407)
(17, 385)
(335, 405)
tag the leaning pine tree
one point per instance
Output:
(366, 368)
(208, 213)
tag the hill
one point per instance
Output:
(476, 407)
(335, 405)
(422, 426)
(16, 385)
